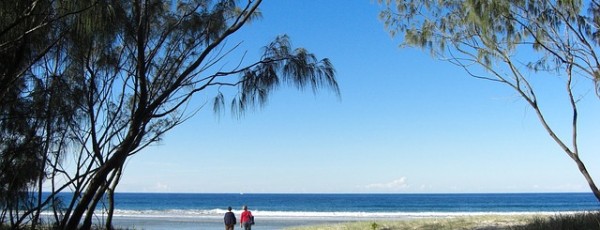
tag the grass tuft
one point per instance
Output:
(588, 220)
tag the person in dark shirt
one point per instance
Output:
(230, 220)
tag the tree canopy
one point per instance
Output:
(510, 40)
(101, 80)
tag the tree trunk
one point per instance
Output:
(83, 204)
(587, 176)
(95, 189)
(111, 199)
(87, 221)
(111, 208)
(72, 202)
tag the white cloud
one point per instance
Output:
(397, 184)
(160, 187)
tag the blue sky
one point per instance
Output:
(405, 123)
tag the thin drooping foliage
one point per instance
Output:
(35, 107)
(512, 42)
(105, 79)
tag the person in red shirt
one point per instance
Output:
(246, 219)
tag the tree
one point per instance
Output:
(33, 110)
(131, 69)
(496, 36)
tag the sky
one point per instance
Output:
(404, 123)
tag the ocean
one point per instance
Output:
(154, 211)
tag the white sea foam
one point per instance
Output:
(218, 213)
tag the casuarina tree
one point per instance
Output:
(511, 43)
(34, 109)
(131, 71)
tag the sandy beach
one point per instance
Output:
(488, 222)
(186, 223)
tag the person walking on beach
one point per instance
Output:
(230, 220)
(246, 219)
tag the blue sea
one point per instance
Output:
(278, 211)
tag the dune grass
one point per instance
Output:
(493, 222)
(589, 220)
